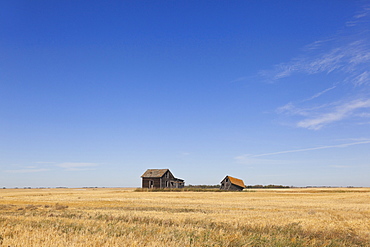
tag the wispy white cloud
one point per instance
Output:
(363, 115)
(320, 93)
(344, 145)
(345, 55)
(318, 116)
(360, 16)
(341, 112)
(351, 59)
(292, 109)
(362, 78)
(75, 166)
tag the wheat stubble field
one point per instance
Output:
(125, 217)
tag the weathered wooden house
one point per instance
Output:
(161, 178)
(231, 183)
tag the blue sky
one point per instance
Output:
(92, 93)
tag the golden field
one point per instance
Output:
(125, 217)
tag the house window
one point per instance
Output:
(151, 184)
(167, 184)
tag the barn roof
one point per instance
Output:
(154, 173)
(237, 182)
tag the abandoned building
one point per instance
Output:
(231, 183)
(160, 178)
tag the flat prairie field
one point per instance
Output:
(127, 217)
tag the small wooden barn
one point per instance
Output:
(231, 183)
(160, 178)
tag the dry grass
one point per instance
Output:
(124, 217)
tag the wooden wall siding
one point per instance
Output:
(234, 187)
(168, 175)
(156, 183)
(163, 182)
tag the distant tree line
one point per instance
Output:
(270, 186)
(194, 188)
(203, 186)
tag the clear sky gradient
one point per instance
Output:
(93, 93)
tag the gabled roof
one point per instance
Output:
(154, 173)
(236, 181)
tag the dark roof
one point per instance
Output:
(178, 180)
(154, 173)
(237, 182)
